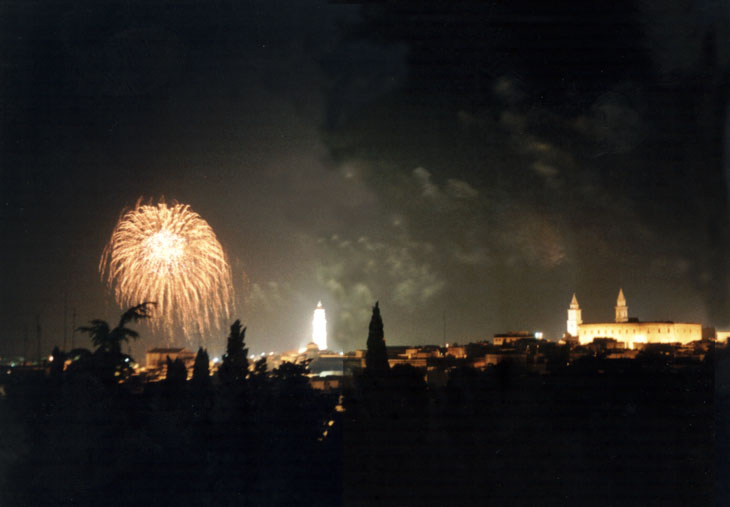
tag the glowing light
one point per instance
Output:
(50, 359)
(639, 338)
(217, 360)
(538, 335)
(169, 255)
(319, 327)
(302, 350)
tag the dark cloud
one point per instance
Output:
(580, 150)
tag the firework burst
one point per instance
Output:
(169, 255)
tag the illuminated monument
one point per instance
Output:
(630, 331)
(319, 327)
(622, 311)
(574, 317)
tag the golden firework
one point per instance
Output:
(169, 255)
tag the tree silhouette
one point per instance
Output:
(107, 360)
(57, 363)
(201, 367)
(110, 340)
(234, 367)
(177, 373)
(376, 358)
(258, 379)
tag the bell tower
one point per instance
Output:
(574, 317)
(319, 327)
(622, 311)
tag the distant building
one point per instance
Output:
(456, 351)
(722, 336)
(709, 333)
(319, 327)
(622, 354)
(326, 383)
(326, 365)
(495, 359)
(311, 351)
(604, 344)
(630, 331)
(157, 357)
(353, 363)
(417, 357)
(511, 337)
(574, 317)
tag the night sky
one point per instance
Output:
(470, 165)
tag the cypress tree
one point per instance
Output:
(177, 373)
(234, 366)
(376, 358)
(201, 367)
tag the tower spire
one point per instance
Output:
(622, 311)
(574, 317)
(574, 302)
(319, 327)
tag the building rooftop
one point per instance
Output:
(634, 320)
(331, 365)
(512, 334)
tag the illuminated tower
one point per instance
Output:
(574, 317)
(319, 327)
(622, 311)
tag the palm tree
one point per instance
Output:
(110, 340)
(107, 362)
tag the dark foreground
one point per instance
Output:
(595, 433)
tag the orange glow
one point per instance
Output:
(639, 338)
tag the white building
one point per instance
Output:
(319, 327)
(630, 331)
(157, 357)
(574, 317)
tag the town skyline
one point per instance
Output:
(318, 329)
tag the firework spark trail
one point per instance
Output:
(169, 255)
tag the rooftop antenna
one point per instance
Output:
(73, 327)
(25, 343)
(443, 321)
(38, 336)
(65, 319)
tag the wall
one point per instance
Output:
(641, 332)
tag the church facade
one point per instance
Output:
(629, 331)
